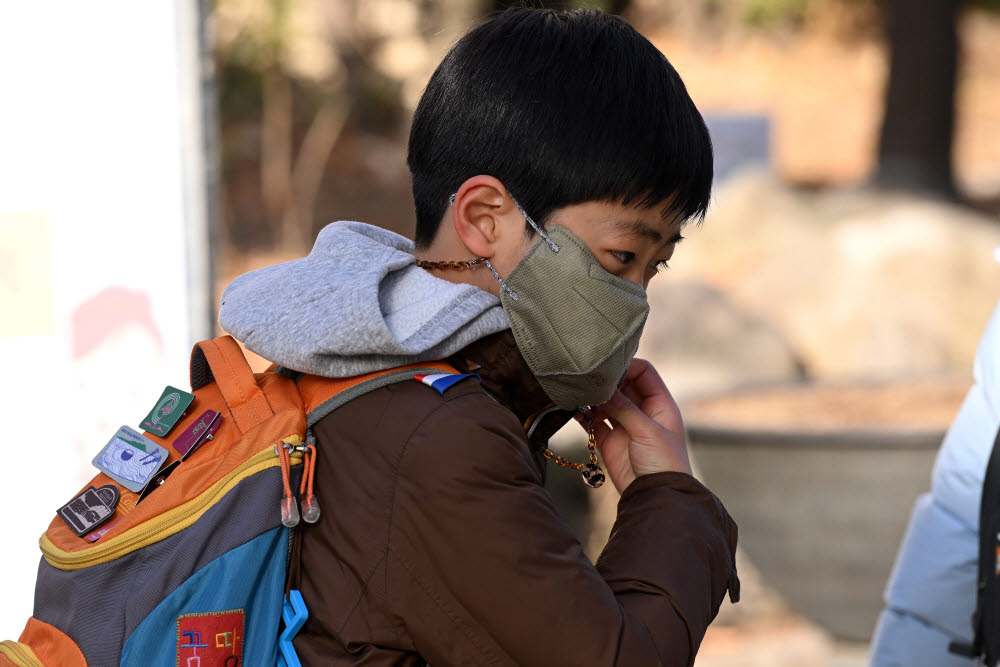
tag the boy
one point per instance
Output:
(555, 156)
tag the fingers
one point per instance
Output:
(621, 410)
(643, 378)
(601, 430)
(632, 393)
(646, 389)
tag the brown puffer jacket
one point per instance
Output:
(438, 543)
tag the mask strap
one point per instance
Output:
(503, 285)
(552, 244)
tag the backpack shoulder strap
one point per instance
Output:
(987, 639)
(986, 631)
(322, 395)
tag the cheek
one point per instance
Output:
(526, 243)
(610, 264)
(507, 257)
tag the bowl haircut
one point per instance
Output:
(562, 107)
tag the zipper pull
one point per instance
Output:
(310, 505)
(294, 613)
(289, 508)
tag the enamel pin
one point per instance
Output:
(167, 411)
(91, 508)
(193, 436)
(130, 458)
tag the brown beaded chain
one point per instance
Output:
(591, 472)
(467, 264)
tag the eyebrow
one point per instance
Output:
(640, 228)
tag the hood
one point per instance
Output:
(357, 303)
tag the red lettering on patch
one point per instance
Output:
(211, 638)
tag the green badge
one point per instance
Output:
(167, 412)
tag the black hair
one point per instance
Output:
(562, 107)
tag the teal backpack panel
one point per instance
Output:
(243, 587)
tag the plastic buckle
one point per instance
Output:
(294, 613)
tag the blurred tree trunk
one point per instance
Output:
(915, 146)
(276, 127)
(306, 177)
(290, 178)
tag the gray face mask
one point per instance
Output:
(576, 325)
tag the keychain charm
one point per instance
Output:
(592, 473)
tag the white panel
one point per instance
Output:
(101, 197)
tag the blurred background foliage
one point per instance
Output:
(315, 97)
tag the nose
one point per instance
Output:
(638, 276)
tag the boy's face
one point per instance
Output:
(633, 243)
(627, 241)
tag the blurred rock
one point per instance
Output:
(862, 283)
(701, 342)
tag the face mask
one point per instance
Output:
(576, 325)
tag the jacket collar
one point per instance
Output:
(506, 376)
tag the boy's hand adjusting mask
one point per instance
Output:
(576, 324)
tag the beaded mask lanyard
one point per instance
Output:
(593, 475)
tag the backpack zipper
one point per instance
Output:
(20, 654)
(166, 524)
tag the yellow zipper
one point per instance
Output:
(168, 523)
(20, 654)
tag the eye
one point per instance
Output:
(623, 256)
(661, 266)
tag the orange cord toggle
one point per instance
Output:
(310, 505)
(289, 508)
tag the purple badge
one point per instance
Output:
(101, 532)
(201, 430)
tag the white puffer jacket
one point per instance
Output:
(931, 593)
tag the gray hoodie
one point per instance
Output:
(357, 303)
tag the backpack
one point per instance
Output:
(985, 645)
(199, 570)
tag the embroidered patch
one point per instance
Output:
(442, 381)
(210, 639)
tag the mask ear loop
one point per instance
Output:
(534, 225)
(503, 285)
(552, 244)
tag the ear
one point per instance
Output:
(482, 215)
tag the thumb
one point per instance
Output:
(622, 410)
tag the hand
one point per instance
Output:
(646, 433)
